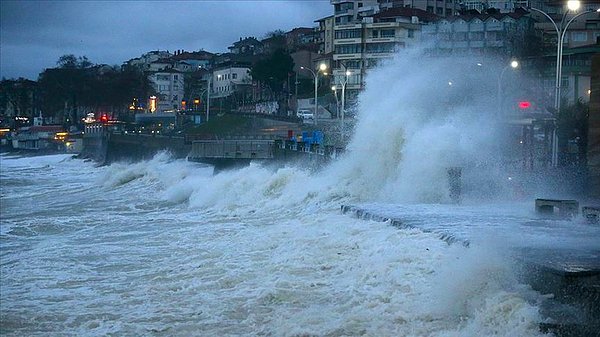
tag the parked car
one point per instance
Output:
(306, 114)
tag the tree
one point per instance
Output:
(572, 126)
(275, 40)
(19, 95)
(77, 87)
(274, 70)
(70, 61)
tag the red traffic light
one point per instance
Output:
(524, 105)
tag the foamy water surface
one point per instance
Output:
(166, 248)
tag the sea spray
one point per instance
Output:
(164, 247)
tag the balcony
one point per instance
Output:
(342, 72)
(347, 56)
(347, 41)
(381, 39)
(382, 25)
(494, 43)
(347, 26)
(379, 55)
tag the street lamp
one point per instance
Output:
(337, 103)
(208, 97)
(322, 68)
(572, 5)
(343, 83)
(514, 64)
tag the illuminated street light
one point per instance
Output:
(337, 103)
(572, 5)
(322, 68)
(343, 83)
(514, 64)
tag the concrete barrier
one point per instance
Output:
(566, 208)
(591, 214)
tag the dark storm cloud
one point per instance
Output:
(34, 34)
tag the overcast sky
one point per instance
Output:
(34, 34)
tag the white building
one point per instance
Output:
(169, 86)
(227, 79)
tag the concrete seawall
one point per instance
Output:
(140, 147)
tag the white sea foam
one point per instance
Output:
(163, 247)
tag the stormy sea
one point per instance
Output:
(166, 247)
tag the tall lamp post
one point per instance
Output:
(343, 85)
(322, 67)
(561, 29)
(514, 64)
(208, 98)
(337, 103)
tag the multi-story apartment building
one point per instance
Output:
(228, 79)
(501, 35)
(437, 7)
(169, 86)
(352, 11)
(373, 36)
(455, 7)
(584, 30)
(325, 34)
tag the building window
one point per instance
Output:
(348, 34)
(381, 48)
(234, 76)
(411, 33)
(579, 36)
(388, 32)
(175, 77)
(459, 36)
(430, 9)
(439, 11)
(476, 36)
(347, 64)
(347, 49)
(343, 7)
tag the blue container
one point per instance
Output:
(317, 137)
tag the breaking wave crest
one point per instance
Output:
(411, 128)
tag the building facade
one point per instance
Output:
(502, 35)
(226, 80)
(169, 86)
(362, 44)
(325, 34)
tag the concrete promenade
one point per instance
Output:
(558, 256)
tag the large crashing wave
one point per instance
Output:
(415, 122)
